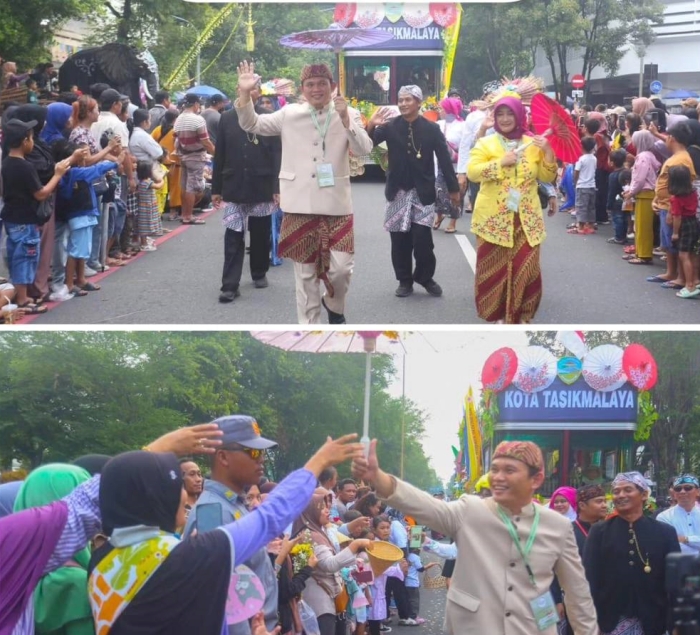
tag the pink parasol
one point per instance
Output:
(499, 369)
(336, 38)
(551, 120)
(640, 366)
(246, 595)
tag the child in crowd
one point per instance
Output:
(584, 181)
(625, 179)
(77, 204)
(684, 206)
(32, 92)
(23, 194)
(617, 160)
(381, 526)
(415, 566)
(148, 216)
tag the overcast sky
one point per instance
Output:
(440, 366)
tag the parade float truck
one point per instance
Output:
(421, 52)
(587, 410)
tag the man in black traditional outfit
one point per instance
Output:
(625, 562)
(413, 142)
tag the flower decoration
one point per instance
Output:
(302, 552)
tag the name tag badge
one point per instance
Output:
(545, 611)
(513, 201)
(324, 175)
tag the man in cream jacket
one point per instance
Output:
(317, 228)
(495, 589)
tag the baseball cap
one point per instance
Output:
(110, 97)
(191, 99)
(243, 430)
(216, 99)
(15, 130)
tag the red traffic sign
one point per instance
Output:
(578, 81)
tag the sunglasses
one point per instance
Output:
(684, 488)
(252, 453)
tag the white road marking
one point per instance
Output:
(468, 251)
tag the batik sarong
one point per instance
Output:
(406, 209)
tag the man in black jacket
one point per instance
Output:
(245, 179)
(410, 188)
(625, 562)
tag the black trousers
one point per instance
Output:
(601, 196)
(397, 588)
(416, 243)
(260, 228)
(331, 624)
(413, 601)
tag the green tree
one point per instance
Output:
(27, 28)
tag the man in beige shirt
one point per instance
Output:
(317, 227)
(500, 587)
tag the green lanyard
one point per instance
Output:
(503, 140)
(512, 530)
(323, 132)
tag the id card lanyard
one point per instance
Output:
(524, 551)
(504, 143)
(322, 132)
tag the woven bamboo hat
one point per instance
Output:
(382, 555)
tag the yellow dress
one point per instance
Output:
(173, 164)
(491, 218)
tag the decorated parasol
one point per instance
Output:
(551, 120)
(368, 342)
(602, 368)
(444, 13)
(537, 368)
(640, 367)
(499, 369)
(344, 14)
(336, 38)
(417, 15)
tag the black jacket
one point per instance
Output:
(291, 586)
(245, 172)
(406, 171)
(623, 589)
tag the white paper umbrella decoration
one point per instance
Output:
(537, 368)
(417, 15)
(602, 368)
(369, 16)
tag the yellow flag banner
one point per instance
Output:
(451, 35)
(473, 440)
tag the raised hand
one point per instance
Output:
(199, 439)
(257, 626)
(247, 79)
(63, 166)
(333, 452)
(366, 469)
(341, 107)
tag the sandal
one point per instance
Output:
(669, 284)
(78, 292)
(89, 286)
(630, 250)
(450, 230)
(193, 221)
(640, 261)
(685, 294)
(28, 308)
(438, 221)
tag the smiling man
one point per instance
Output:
(509, 547)
(684, 517)
(625, 561)
(237, 464)
(317, 228)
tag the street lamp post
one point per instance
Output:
(198, 75)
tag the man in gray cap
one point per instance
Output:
(235, 465)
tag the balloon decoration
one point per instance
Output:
(640, 367)
(537, 368)
(499, 369)
(602, 368)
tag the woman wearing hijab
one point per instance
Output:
(641, 106)
(60, 600)
(57, 117)
(39, 540)
(508, 220)
(452, 126)
(644, 173)
(326, 583)
(145, 579)
(563, 502)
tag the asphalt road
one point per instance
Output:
(585, 282)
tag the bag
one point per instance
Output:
(44, 211)
(342, 600)
(308, 619)
(101, 186)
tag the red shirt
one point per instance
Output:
(684, 205)
(602, 152)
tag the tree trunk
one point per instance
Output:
(125, 22)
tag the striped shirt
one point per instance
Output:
(190, 130)
(82, 523)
